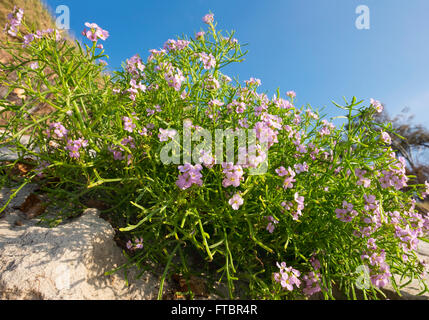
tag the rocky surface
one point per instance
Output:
(65, 262)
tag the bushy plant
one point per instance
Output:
(305, 208)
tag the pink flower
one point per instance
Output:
(281, 171)
(208, 18)
(135, 66)
(291, 94)
(271, 224)
(236, 201)
(176, 45)
(234, 174)
(312, 285)
(95, 32)
(165, 134)
(28, 38)
(74, 145)
(138, 244)
(190, 175)
(243, 123)
(200, 35)
(287, 277)
(15, 19)
(253, 81)
(128, 124)
(346, 214)
(175, 80)
(299, 199)
(135, 87)
(208, 60)
(290, 174)
(377, 105)
(386, 138)
(301, 167)
(207, 159)
(59, 129)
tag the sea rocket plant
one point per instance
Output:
(336, 192)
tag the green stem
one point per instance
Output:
(164, 275)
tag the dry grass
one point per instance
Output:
(36, 15)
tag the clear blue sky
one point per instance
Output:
(310, 46)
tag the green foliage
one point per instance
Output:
(198, 222)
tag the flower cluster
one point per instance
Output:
(253, 82)
(287, 276)
(289, 175)
(267, 129)
(296, 207)
(73, 146)
(134, 89)
(395, 175)
(208, 18)
(213, 111)
(95, 32)
(271, 223)
(173, 45)
(166, 134)
(200, 35)
(207, 159)
(176, 79)
(379, 270)
(326, 128)
(312, 283)
(211, 83)
(253, 156)
(117, 151)
(236, 201)
(15, 20)
(301, 167)
(156, 108)
(386, 138)
(208, 60)
(233, 174)
(371, 217)
(362, 180)
(291, 94)
(135, 66)
(347, 213)
(376, 105)
(59, 130)
(409, 228)
(30, 37)
(190, 175)
(136, 244)
(129, 125)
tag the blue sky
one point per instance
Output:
(310, 46)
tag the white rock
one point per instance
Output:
(66, 262)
